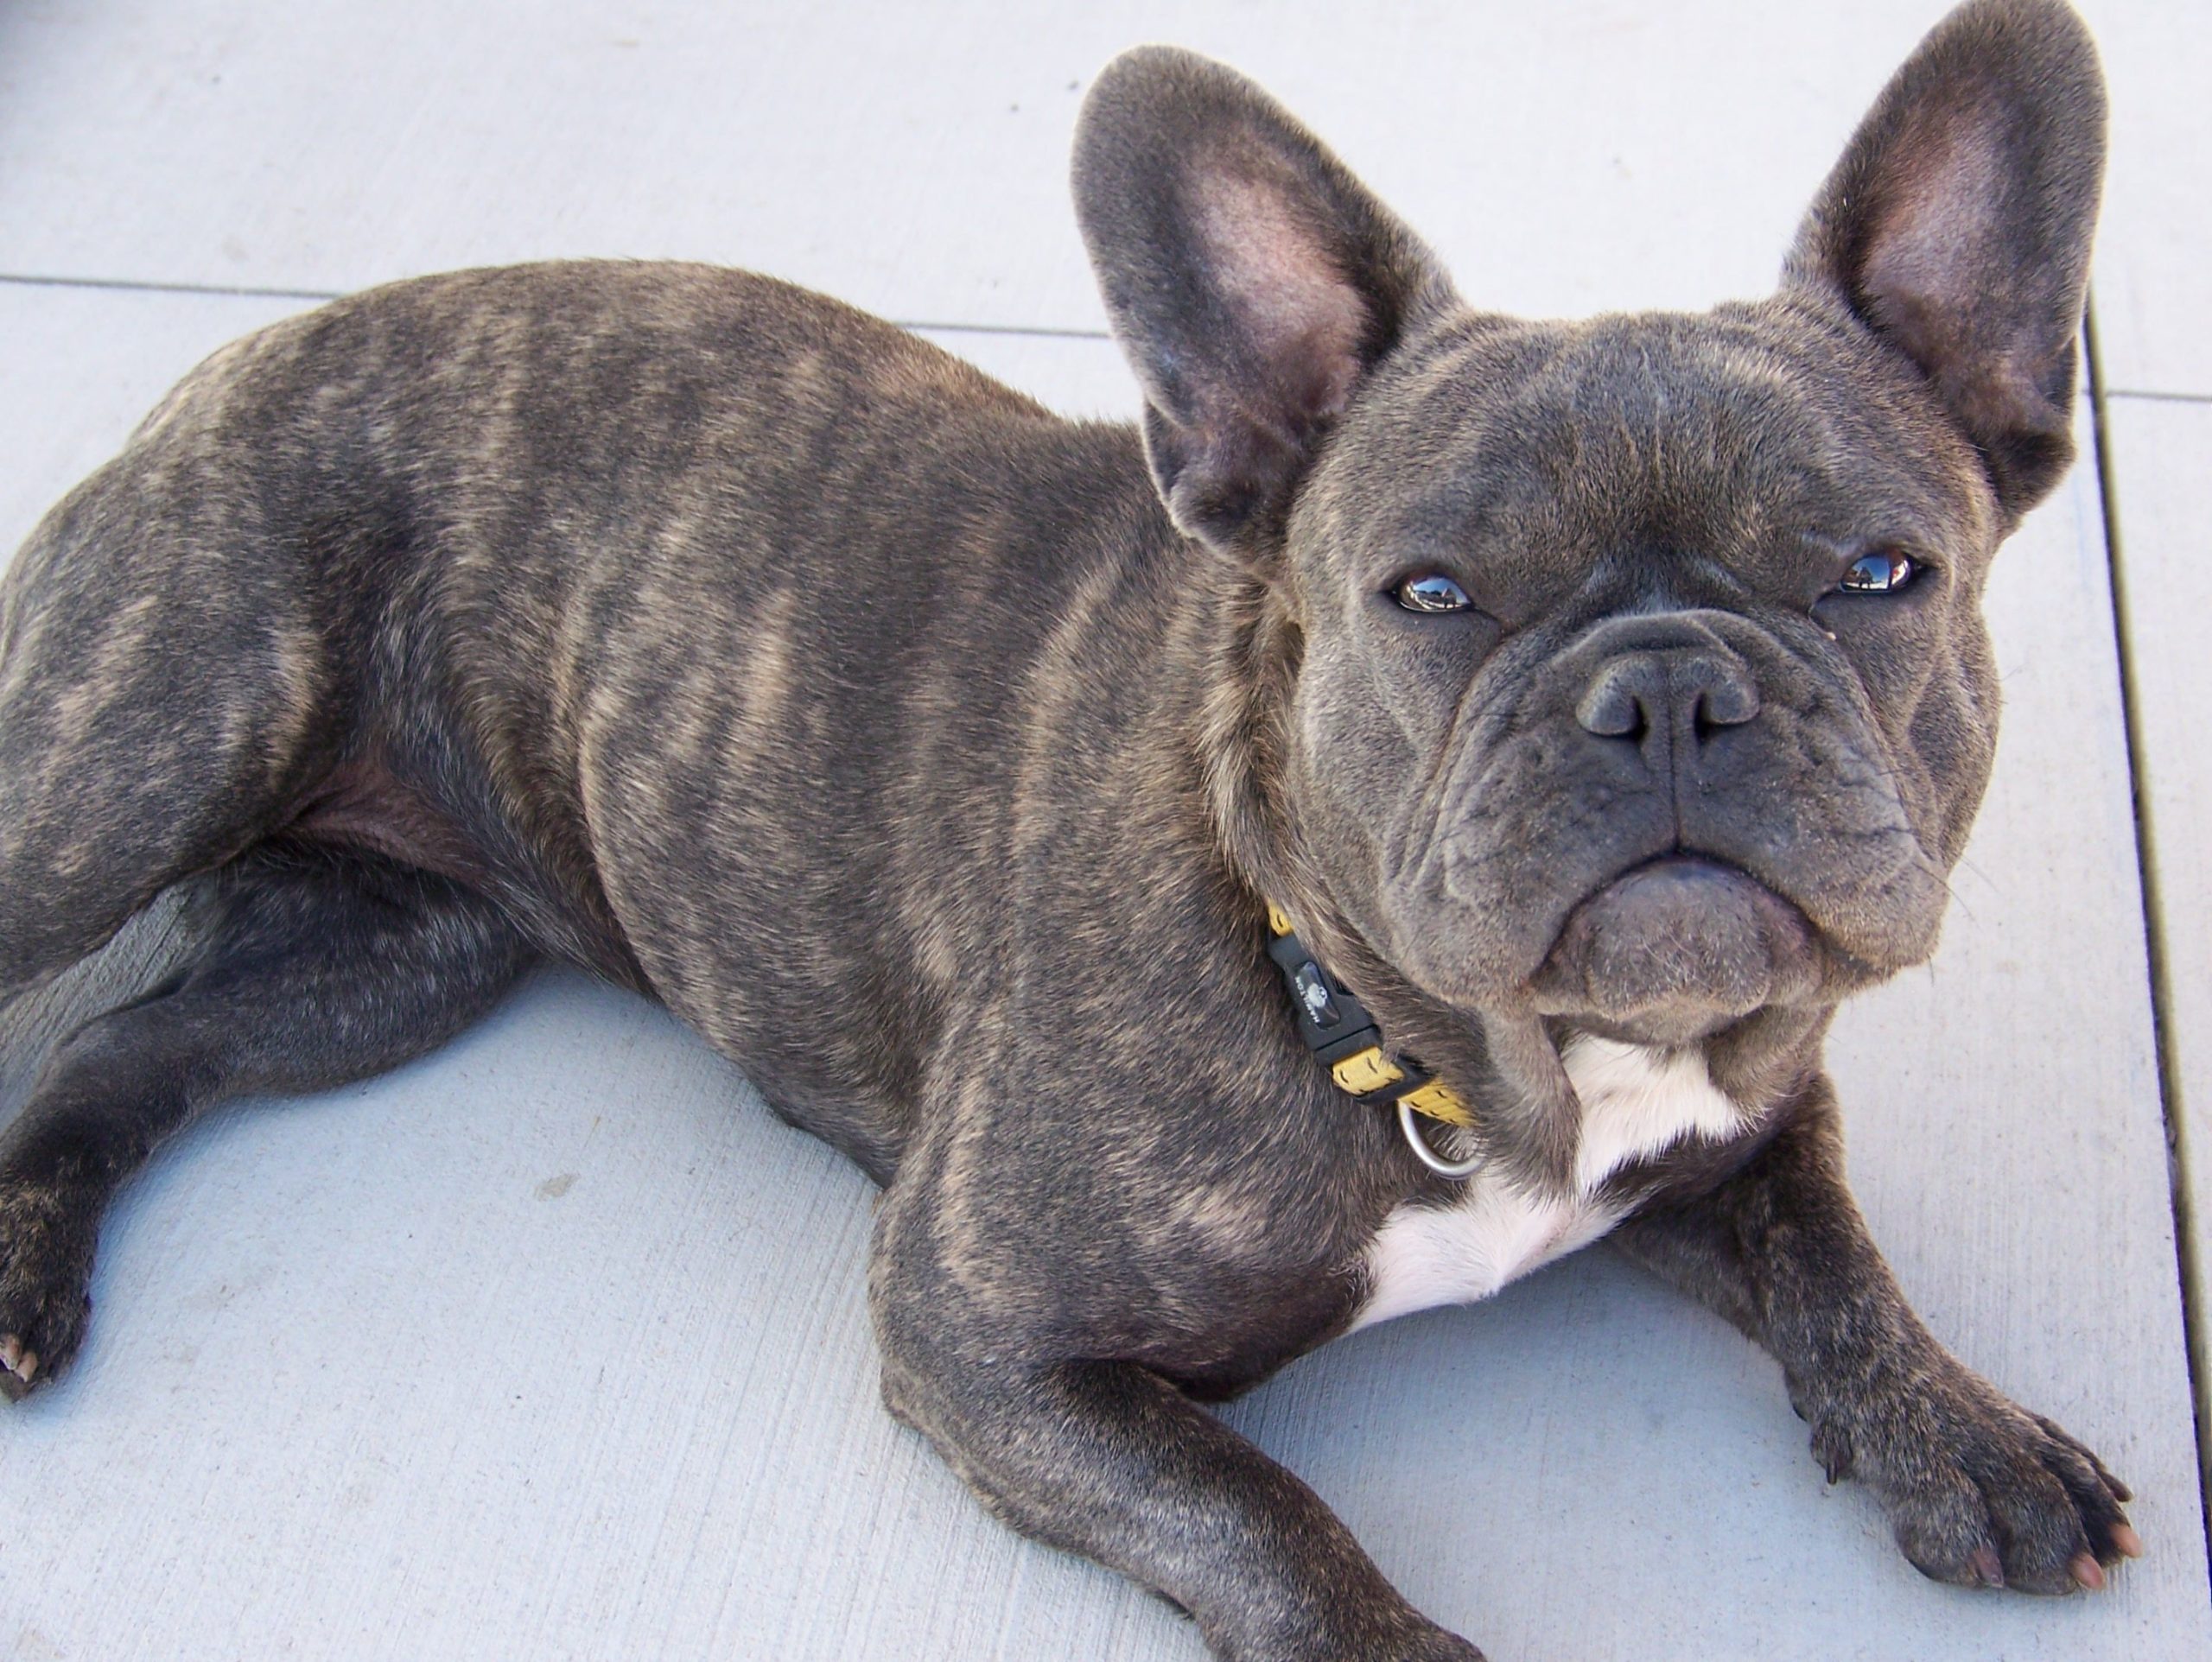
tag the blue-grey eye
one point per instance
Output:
(1431, 592)
(1882, 571)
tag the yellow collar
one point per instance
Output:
(1337, 1029)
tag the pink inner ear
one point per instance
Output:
(1301, 320)
(1939, 226)
(1936, 272)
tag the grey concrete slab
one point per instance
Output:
(1565, 158)
(2154, 249)
(553, 1344)
(2157, 452)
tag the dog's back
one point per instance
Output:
(472, 572)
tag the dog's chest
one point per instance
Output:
(1636, 1101)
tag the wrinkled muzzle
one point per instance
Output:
(1675, 822)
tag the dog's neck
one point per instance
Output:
(1246, 647)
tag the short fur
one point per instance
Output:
(902, 737)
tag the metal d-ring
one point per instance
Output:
(1409, 1123)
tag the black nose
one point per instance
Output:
(1690, 689)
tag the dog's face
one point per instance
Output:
(1710, 706)
(1640, 673)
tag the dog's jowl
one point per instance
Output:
(1485, 752)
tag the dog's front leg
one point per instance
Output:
(1980, 1490)
(1108, 1459)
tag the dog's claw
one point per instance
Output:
(2124, 1538)
(2088, 1571)
(1987, 1568)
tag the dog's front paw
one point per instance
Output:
(1982, 1492)
(46, 1235)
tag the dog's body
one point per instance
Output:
(940, 761)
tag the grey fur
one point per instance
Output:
(903, 737)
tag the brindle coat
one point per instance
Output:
(932, 756)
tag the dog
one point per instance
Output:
(1408, 810)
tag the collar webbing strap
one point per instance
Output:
(1336, 1028)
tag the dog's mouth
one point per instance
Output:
(1675, 948)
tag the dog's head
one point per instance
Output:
(1636, 669)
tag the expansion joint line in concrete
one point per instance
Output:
(2195, 1316)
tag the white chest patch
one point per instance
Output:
(1637, 1101)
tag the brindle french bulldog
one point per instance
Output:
(1599, 703)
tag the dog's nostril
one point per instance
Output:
(1726, 702)
(1612, 707)
(1730, 700)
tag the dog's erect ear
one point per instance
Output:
(1252, 281)
(1958, 226)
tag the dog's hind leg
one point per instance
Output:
(309, 968)
(163, 699)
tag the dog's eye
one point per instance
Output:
(1882, 571)
(1431, 592)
